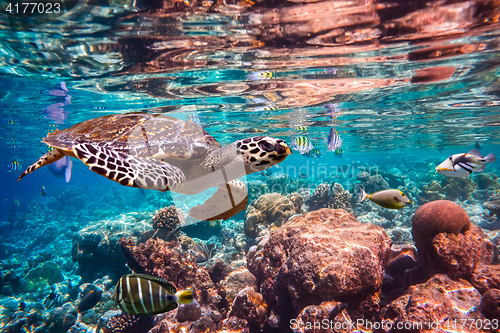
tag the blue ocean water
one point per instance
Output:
(402, 97)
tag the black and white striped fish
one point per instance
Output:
(462, 165)
(148, 294)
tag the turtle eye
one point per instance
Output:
(267, 146)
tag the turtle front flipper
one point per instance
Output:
(51, 157)
(230, 199)
(130, 170)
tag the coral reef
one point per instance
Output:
(486, 180)
(320, 256)
(297, 201)
(372, 183)
(167, 220)
(333, 312)
(278, 183)
(340, 199)
(319, 197)
(43, 276)
(493, 207)
(117, 321)
(330, 196)
(236, 281)
(457, 188)
(431, 219)
(490, 304)
(431, 192)
(444, 299)
(256, 188)
(96, 248)
(167, 261)
(271, 209)
(249, 305)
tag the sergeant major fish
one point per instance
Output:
(393, 199)
(147, 294)
(302, 144)
(334, 140)
(462, 165)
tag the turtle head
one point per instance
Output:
(262, 152)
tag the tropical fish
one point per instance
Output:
(11, 121)
(90, 300)
(62, 168)
(301, 128)
(393, 199)
(16, 203)
(262, 75)
(315, 153)
(334, 140)
(14, 166)
(147, 294)
(338, 152)
(462, 165)
(302, 144)
(43, 192)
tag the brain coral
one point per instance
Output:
(271, 208)
(434, 218)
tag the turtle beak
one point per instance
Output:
(283, 148)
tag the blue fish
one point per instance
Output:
(62, 168)
(14, 166)
(334, 140)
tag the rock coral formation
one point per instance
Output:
(486, 180)
(431, 192)
(450, 188)
(249, 305)
(431, 219)
(319, 197)
(117, 321)
(43, 276)
(333, 312)
(271, 209)
(339, 198)
(490, 304)
(457, 188)
(236, 281)
(330, 196)
(372, 183)
(96, 248)
(167, 261)
(168, 218)
(320, 256)
(444, 301)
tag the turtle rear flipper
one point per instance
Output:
(51, 157)
(230, 199)
(130, 170)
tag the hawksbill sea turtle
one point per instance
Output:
(153, 151)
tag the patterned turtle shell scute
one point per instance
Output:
(138, 134)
